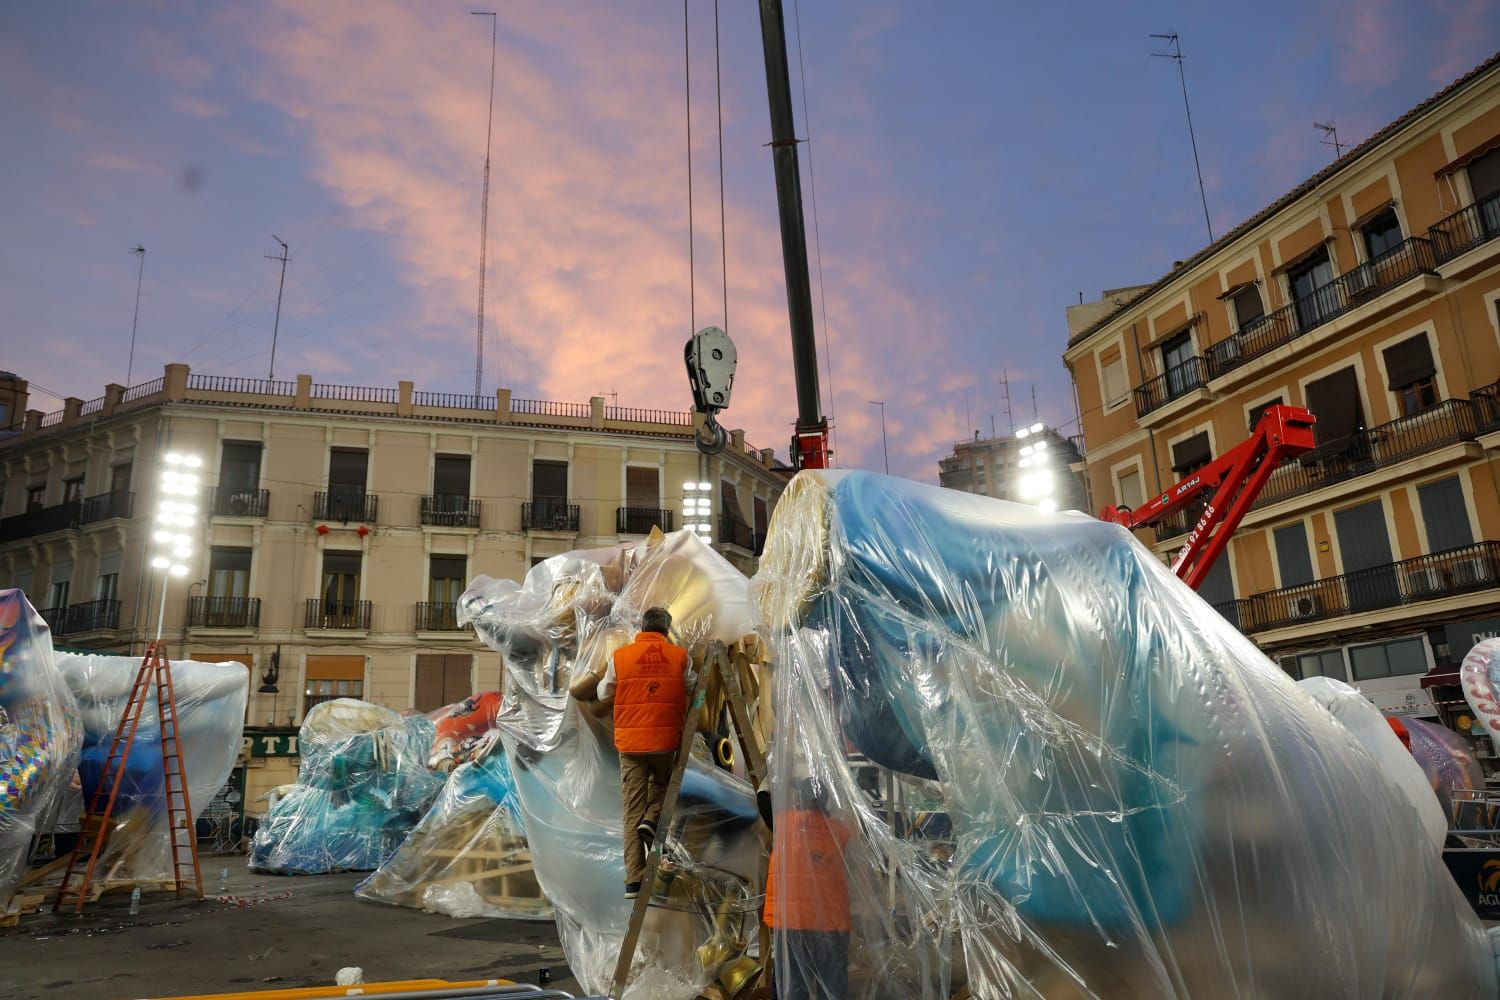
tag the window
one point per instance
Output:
(1308, 282)
(239, 466)
(1445, 514)
(36, 498)
(330, 677)
(119, 478)
(445, 580)
(450, 477)
(57, 597)
(1411, 374)
(442, 679)
(1128, 489)
(1381, 234)
(1334, 401)
(642, 488)
(1292, 557)
(1323, 663)
(762, 520)
(73, 489)
(1176, 364)
(1246, 306)
(549, 494)
(1115, 388)
(228, 572)
(1365, 549)
(1192, 454)
(1484, 177)
(1397, 658)
(1257, 412)
(341, 581)
(108, 587)
(347, 471)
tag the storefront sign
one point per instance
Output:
(1477, 873)
(1464, 636)
(1402, 701)
(282, 744)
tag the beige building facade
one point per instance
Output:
(1369, 295)
(339, 524)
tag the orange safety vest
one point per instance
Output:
(806, 887)
(650, 695)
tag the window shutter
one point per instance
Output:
(1408, 362)
(1445, 514)
(1334, 401)
(1191, 454)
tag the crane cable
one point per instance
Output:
(812, 183)
(687, 72)
(723, 235)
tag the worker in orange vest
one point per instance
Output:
(648, 680)
(807, 898)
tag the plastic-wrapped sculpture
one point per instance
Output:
(362, 785)
(554, 630)
(1141, 803)
(39, 734)
(211, 701)
(1452, 770)
(468, 856)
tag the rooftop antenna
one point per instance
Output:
(1331, 136)
(1176, 56)
(484, 208)
(968, 420)
(276, 326)
(1010, 416)
(140, 252)
(1034, 417)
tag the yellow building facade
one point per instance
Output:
(339, 524)
(1369, 295)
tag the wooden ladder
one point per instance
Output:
(155, 674)
(725, 664)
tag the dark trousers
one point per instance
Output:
(811, 965)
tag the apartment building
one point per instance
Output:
(1369, 295)
(1035, 465)
(340, 523)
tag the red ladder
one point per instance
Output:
(155, 672)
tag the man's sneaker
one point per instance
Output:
(632, 890)
(647, 832)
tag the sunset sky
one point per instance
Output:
(977, 167)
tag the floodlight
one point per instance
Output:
(1037, 428)
(160, 562)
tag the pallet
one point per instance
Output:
(21, 906)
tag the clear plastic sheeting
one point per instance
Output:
(1450, 767)
(1371, 730)
(362, 785)
(1140, 803)
(556, 632)
(40, 734)
(468, 856)
(210, 700)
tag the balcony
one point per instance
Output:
(1466, 229)
(450, 510)
(92, 617)
(1174, 383)
(640, 520)
(56, 619)
(1444, 574)
(438, 617)
(342, 615)
(737, 533)
(1486, 402)
(223, 612)
(40, 522)
(345, 505)
(1448, 422)
(1398, 265)
(232, 501)
(549, 514)
(106, 505)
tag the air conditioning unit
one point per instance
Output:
(1425, 580)
(1467, 572)
(1305, 606)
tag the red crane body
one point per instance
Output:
(1232, 482)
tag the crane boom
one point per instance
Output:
(1231, 482)
(810, 443)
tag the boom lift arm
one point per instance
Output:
(1232, 481)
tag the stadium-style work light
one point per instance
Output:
(698, 509)
(176, 517)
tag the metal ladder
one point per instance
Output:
(155, 674)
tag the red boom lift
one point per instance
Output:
(1231, 482)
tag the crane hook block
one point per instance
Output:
(711, 359)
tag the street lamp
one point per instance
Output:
(176, 516)
(698, 509)
(883, 452)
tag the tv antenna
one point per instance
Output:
(484, 209)
(1330, 136)
(276, 326)
(1176, 56)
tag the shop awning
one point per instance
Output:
(1443, 678)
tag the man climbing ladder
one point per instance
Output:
(648, 679)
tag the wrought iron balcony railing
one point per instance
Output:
(223, 612)
(92, 616)
(736, 532)
(438, 616)
(549, 514)
(325, 614)
(1175, 382)
(106, 505)
(232, 501)
(640, 520)
(1466, 229)
(451, 510)
(345, 505)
